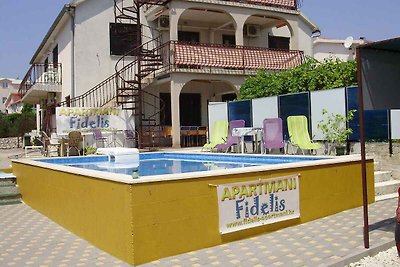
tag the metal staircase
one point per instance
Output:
(130, 92)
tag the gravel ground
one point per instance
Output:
(382, 259)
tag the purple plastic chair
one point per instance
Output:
(231, 140)
(272, 134)
(99, 138)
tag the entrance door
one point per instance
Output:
(190, 109)
(166, 112)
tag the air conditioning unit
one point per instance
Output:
(252, 30)
(163, 22)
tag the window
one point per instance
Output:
(228, 39)
(190, 37)
(123, 38)
(4, 99)
(68, 100)
(46, 65)
(279, 42)
(228, 97)
(55, 57)
(5, 85)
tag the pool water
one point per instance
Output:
(169, 163)
(161, 166)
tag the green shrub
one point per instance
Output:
(17, 124)
(310, 76)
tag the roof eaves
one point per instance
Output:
(373, 45)
(309, 22)
(63, 11)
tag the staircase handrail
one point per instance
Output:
(89, 92)
(101, 84)
(129, 52)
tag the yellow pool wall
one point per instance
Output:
(144, 221)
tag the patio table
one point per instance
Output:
(247, 131)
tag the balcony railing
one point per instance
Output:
(285, 4)
(211, 57)
(43, 74)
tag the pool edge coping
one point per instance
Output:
(127, 179)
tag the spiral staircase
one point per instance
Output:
(130, 93)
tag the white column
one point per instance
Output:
(175, 114)
(239, 20)
(294, 30)
(211, 37)
(239, 35)
(174, 15)
(38, 112)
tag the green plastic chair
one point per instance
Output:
(298, 133)
(218, 136)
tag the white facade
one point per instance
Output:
(82, 34)
(335, 48)
(7, 86)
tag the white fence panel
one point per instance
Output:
(266, 107)
(334, 101)
(395, 122)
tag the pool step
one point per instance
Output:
(9, 193)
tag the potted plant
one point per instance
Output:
(334, 127)
(90, 150)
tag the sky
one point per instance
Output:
(24, 23)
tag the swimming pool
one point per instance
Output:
(185, 211)
(173, 163)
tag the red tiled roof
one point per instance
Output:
(236, 57)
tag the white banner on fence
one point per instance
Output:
(85, 119)
(254, 203)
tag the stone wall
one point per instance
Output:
(11, 142)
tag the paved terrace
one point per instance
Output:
(27, 238)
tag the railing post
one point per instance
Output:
(243, 64)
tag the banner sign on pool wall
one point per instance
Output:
(254, 203)
(85, 119)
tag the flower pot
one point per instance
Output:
(340, 150)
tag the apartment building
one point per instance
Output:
(162, 60)
(7, 87)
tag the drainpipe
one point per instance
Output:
(71, 12)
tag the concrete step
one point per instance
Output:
(9, 193)
(386, 187)
(8, 189)
(382, 176)
(377, 166)
(10, 199)
(8, 181)
(387, 196)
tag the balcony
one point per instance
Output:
(40, 80)
(216, 58)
